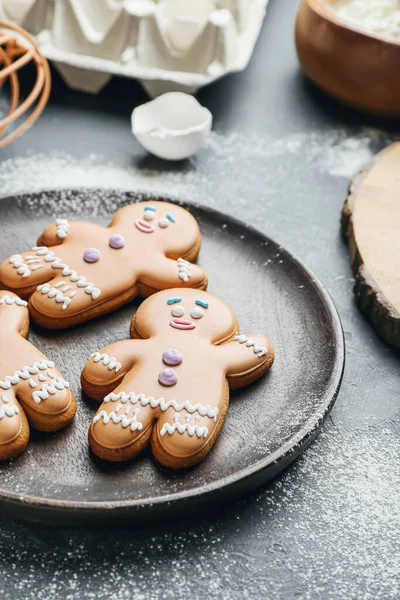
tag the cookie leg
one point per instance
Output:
(14, 427)
(47, 400)
(121, 428)
(22, 273)
(181, 440)
(65, 301)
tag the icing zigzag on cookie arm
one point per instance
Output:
(244, 356)
(62, 228)
(109, 361)
(251, 343)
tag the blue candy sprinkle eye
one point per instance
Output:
(174, 300)
(150, 208)
(171, 218)
(201, 303)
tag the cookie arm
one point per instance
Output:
(246, 358)
(168, 273)
(106, 368)
(54, 234)
(24, 272)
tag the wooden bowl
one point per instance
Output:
(359, 68)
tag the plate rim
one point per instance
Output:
(295, 445)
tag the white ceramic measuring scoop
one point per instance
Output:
(174, 126)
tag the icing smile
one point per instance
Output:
(144, 227)
(182, 324)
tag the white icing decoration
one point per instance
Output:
(42, 377)
(34, 369)
(204, 411)
(109, 361)
(260, 350)
(50, 388)
(54, 292)
(190, 429)
(177, 311)
(62, 228)
(25, 373)
(197, 313)
(18, 263)
(163, 223)
(8, 411)
(149, 215)
(131, 422)
(184, 270)
(10, 300)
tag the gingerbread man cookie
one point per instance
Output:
(79, 271)
(170, 384)
(31, 388)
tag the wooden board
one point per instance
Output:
(371, 224)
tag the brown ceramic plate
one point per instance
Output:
(268, 425)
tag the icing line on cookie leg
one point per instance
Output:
(52, 388)
(25, 373)
(8, 411)
(131, 422)
(10, 300)
(190, 429)
(18, 263)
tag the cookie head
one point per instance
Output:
(167, 227)
(188, 312)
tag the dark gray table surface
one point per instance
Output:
(280, 157)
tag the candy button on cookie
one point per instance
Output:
(168, 377)
(117, 241)
(172, 357)
(91, 255)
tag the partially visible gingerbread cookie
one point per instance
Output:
(170, 385)
(79, 271)
(32, 390)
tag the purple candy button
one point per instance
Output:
(91, 255)
(117, 241)
(172, 357)
(168, 377)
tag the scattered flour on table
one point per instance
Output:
(335, 153)
(344, 550)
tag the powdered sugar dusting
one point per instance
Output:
(358, 471)
(333, 152)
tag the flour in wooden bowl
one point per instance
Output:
(380, 17)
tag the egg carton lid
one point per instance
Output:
(155, 80)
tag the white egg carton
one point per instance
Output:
(169, 45)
